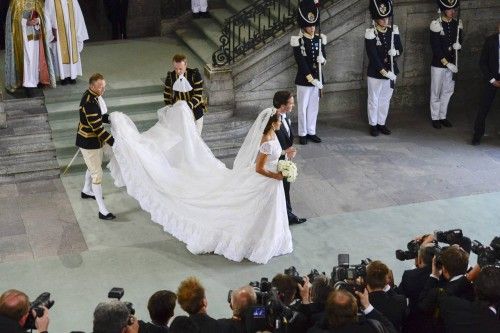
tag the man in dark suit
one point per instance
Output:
(447, 279)
(412, 284)
(161, 307)
(14, 310)
(481, 315)
(191, 298)
(342, 316)
(117, 12)
(490, 66)
(283, 102)
(390, 304)
(241, 299)
(4, 6)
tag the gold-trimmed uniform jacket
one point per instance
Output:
(91, 133)
(194, 98)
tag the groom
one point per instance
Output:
(283, 102)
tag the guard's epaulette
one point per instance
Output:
(436, 26)
(323, 39)
(295, 41)
(370, 33)
(395, 29)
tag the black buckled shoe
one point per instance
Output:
(314, 138)
(445, 123)
(303, 140)
(373, 130)
(297, 220)
(384, 129)
(475, 141)
(436, 124)
(109, 216)
(87, 196)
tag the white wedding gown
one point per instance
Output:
(175, 177)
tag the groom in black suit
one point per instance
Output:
(283, 102)
(490, 66)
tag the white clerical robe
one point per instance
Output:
(65, 18)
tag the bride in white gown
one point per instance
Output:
(171, 172)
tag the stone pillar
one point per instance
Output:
(219, 86)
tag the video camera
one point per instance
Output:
(117, 293)
(269, 312)
(487, 255)
(37, 305)
(345, 276)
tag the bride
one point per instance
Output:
(171, 172)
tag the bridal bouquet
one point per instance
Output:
(288, 169)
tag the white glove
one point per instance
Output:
(321, 59)
(393, 52)
(391, 76)
(452, 67)
(457, 46)
(317, 84)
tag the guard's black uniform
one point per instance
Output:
(377, 51)
(194, 98)
(305, 52)
(91, 133)
(442, 40)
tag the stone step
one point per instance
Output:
(197, 42)
(22, 126)
(26, 143)
(29, 167)
(74, 95)
(23, 103)
(33, 113)
(68, 110)
(28, 158)
(29, 176)
(210, 27)
(221, 14)
(237, 5)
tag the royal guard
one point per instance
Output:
(383, 46)
(446, 41)
(309, 53)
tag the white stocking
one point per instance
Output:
(97, 189)
(87, 188)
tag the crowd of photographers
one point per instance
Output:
(441, 294)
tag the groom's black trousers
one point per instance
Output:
(286, 187)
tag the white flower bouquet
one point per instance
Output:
(288, 169)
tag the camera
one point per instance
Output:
(452, 237)
(487, 255)
(43, 300)
(292, 272)
(117, 293)
(343, 271)
(413, 246)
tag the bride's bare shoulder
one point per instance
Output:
(265, 138)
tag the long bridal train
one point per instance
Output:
(175, 177)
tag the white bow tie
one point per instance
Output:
(102, 105)
(182, 84)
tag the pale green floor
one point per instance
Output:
(134, 253)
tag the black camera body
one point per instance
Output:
(487, 255)
(43, 300)
(117, 293)
(345, 276)
(413, 246)
(293, 273)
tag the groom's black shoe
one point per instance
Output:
(314, 138)
(87, 196)
(110, 216)
(303, 140)
(296, 220)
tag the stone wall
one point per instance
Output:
(261, 74)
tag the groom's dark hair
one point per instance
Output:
(281, 98)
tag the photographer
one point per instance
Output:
(161, 307)
(412, 284)
(241, 299)
(14, 311)
(191, 298)
(447, 277)
(481, 315)
(390, 304)
(341, 315)
(287, 288)
(320, 289)
(114, 317)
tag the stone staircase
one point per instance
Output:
(202, 35)
(222, 132)
(26, 148)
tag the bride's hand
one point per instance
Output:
(279, 176)
(290, 152)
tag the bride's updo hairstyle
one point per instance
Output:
(273, 119)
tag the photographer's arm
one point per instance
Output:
(134, 327)
(473, 273)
